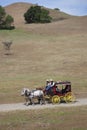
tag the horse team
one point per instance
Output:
(31, 96)
(38, 94)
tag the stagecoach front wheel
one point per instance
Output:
(70, 97)
(55, 99)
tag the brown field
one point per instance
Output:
(40, 51)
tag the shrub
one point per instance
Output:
(36, 14)
(6, 21)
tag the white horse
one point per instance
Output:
(31, 95)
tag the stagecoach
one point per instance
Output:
(60, 92)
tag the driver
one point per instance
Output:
(49, 84)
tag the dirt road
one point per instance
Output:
(21, 106)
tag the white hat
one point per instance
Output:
(47, 80)
(51, 79)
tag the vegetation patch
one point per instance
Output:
(45, 119)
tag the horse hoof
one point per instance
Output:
(25, 104)
(33, 104)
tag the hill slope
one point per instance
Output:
(56, 50)
(70, 24)
(17, 10)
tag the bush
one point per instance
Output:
(6, 21)
(57, 9)
(35, 14)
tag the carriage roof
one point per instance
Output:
(64, 83)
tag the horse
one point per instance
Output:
(31, 95)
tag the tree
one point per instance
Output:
(33, 14)
(6, 21)
(44, 16)
(36, 14)
(9, 20)
(2, 15)
(7, 46)
(57, 9)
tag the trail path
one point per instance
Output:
(21, 106)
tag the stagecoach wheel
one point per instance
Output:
(55, 99)
(70, 97)
(64, 99)
(73, 99)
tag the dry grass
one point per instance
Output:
(48, 119)
(57, 50)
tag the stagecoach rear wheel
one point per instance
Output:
(55, 99)
(70, 97)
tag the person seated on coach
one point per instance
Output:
(52, 83)
(49, 84)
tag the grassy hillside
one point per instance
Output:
(40, 51)
(17, 10)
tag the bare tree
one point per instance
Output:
(7, 46)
